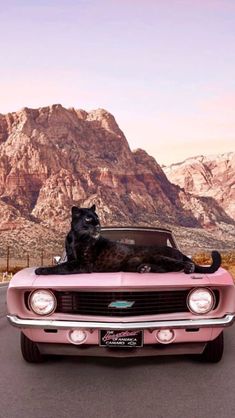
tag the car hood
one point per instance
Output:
(27, 278)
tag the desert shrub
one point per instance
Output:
(228, 260)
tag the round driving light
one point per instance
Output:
(42, 302)
(78, 336)
(165, 336)
(201, 301)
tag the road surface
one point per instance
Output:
(162, 387)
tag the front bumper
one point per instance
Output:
(225, 321)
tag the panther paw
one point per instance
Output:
(41, 271)
(144, 268)
(189, 268)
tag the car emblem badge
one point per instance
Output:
(121, 304)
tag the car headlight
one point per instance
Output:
(201, 301)
(42, 302)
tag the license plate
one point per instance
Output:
(118, 338)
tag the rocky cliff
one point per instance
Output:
(212, 176)
(53, 158)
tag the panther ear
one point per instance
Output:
(93, 208)
(75, 210)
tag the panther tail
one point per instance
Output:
(216, 263)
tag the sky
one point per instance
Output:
(164, 68)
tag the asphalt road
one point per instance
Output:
(161, 387)
(3, 290)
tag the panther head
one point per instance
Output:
(85, 221)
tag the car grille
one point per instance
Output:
(145, 303)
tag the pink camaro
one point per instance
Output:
(122, 314)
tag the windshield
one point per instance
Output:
(143, 236)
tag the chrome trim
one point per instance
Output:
(225, 321)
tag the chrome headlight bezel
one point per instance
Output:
(211, 303)
(46, 293)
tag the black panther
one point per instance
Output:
(87, 251)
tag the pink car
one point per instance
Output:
(122, 314)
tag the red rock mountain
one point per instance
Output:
(53, 158)
(212, 176)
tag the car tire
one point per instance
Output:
(213, 351)
(30, 351)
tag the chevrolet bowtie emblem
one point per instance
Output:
(121, 304)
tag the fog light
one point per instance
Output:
(165, 336)
(78, 336)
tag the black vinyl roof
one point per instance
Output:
(134, 228)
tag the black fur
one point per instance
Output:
(88, 252)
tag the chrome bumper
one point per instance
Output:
(226, 321)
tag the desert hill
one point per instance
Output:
(212, 175)
(52, 158)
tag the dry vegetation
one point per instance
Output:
(228, 260)
(15, 265)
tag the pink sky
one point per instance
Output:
(165, 69)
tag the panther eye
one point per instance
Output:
(88, 219)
